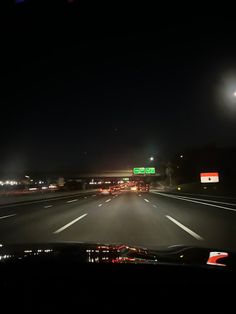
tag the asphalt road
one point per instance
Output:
(151, 220)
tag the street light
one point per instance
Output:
(151, 158)
(181, 156)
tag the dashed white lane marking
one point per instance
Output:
(93, 195)
(48, 206)
(70, 223)
(85, 197)
(108, 200)
(146, 200)
(192, 233)
(99, 205)
(192, 201)
(139, 195)
(71, 201)
(154, 206)
(7, 216)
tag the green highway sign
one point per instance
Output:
(143, 170)
(139, 170)
(150, 170)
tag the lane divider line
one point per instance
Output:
(85, 197)
(71, 201)
(7, 216)
(69, 224)
(99, 205)
(108, 200)
(51, 199)
(139, 195)
(197, 202)
(146, 200)
(94, 195)
(154, 205)
(48, 206)
(189, 231)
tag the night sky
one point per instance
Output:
(77, 95)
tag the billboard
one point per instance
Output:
(209, 177)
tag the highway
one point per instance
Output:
(149, 219)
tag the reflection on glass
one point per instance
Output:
(215, 257)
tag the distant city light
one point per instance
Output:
(52, 186)
(151, 158)
(181, 156)
(8, 182)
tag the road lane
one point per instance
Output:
(216, 225)
(144, 219)
(23, 207)
(127, 219)
(37, 223)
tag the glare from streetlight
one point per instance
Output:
(151, 158)
(235, 94)
(181, 156)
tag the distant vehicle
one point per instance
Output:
(105, 190)
(117, 188)
(143, 187)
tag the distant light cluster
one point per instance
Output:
(8, 182)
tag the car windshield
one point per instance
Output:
(146, 111)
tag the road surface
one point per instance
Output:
(149, 219)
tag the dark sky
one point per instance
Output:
(78, 94)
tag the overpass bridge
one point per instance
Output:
(113, 174)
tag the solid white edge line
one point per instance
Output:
(192, 201)
(192, 233)
(99, 205)
(108, 200)
(146, 200)
(48, 206)
(69, 224)
(71, 201)
(3, 217)
(206, 200)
